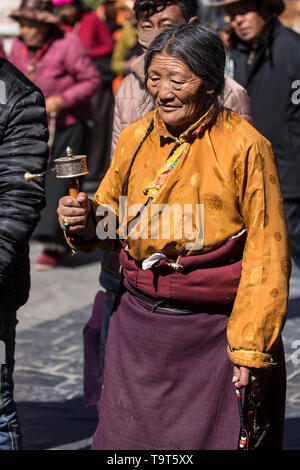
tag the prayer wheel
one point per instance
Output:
(71, 167)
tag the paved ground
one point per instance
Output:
(49, 357)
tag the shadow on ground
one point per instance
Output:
(292, 434)
(68, 424)
(293, 308)
(81, 259)
(56, 424)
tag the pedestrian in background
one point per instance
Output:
(126, 49)
(78, 18)
(59, 64)
(108, 12)
(23, 147)
(266, 61)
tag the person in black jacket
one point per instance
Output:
(266, 61)
(23, 147)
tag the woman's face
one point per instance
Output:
(33, 34)
(179, 94)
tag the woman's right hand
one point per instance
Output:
(73, 213)
(241, 376)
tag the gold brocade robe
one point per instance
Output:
(231, 171)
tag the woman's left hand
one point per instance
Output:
(241, 376)
(55, 104)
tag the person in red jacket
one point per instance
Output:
(2, 52)
(77, 17)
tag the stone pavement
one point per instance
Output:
(49, 354)
(49, 357)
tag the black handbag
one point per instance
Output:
(254, 421)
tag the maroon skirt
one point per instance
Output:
(167, 376)
(167, 381)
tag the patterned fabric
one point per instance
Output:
(180, 152)
(231, 171)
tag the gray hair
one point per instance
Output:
(200, 48)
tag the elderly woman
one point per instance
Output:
(193, 191)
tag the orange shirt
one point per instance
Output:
(230, 171)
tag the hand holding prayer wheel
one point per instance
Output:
(73, 213)
(73, 210)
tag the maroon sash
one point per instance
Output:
(210, 279)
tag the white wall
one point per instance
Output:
(8, 28)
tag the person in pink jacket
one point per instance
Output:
(58, 63)
(77, 18)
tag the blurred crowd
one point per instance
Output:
(90, 66)
(78, 58)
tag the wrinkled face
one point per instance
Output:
(68, 13)
(247, 19)
(178, 93)
(163, 19)
(33, 34)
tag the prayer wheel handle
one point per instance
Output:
(74, 187)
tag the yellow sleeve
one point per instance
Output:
(260, 307)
